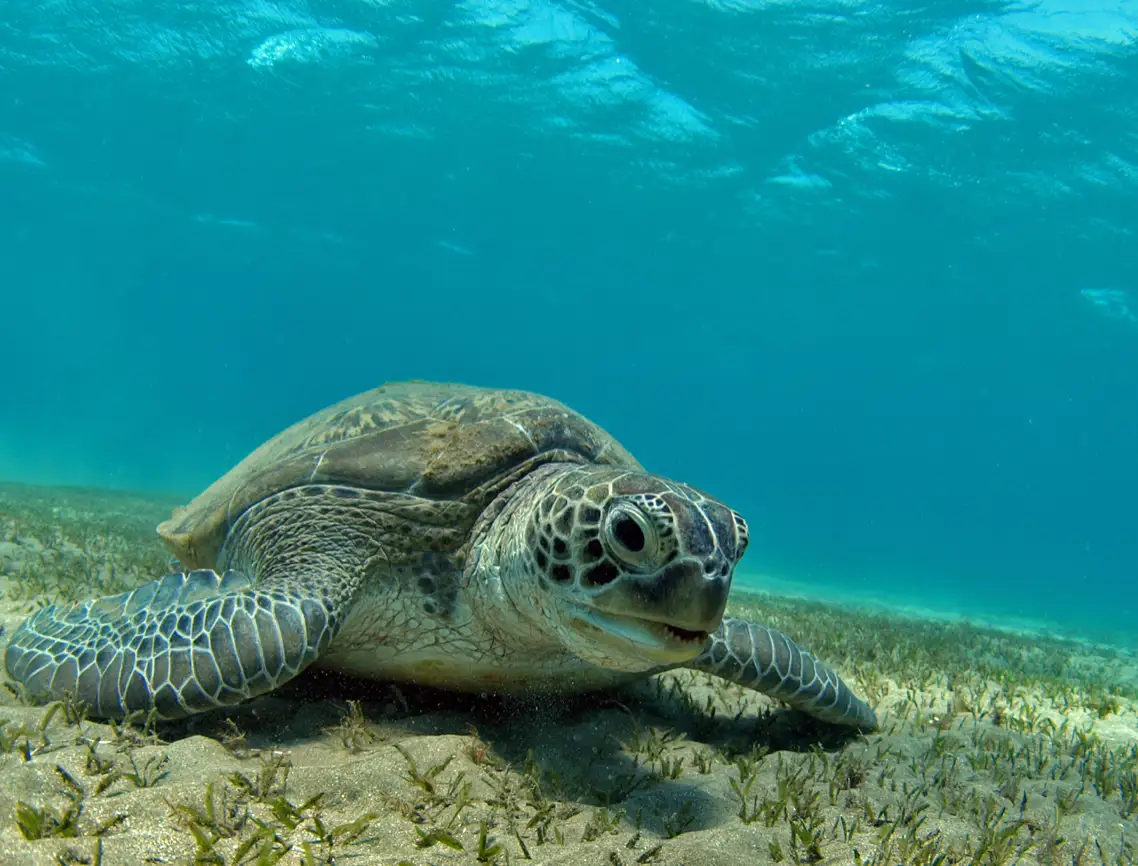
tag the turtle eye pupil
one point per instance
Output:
(628, 532)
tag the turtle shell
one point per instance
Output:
(435, 441)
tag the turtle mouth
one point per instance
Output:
(662, 641)
(686, 635)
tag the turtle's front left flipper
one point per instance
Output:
(179, 645)
(768, 661)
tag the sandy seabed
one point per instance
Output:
(996, 747)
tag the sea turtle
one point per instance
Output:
(462, 537)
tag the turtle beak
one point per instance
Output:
(687, 596)
(666, 616)
(662, 643)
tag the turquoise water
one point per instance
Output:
(866, 271)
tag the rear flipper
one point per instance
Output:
(768, 661)
(183, 644)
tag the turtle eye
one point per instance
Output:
(631, 536)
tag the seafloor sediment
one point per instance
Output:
(996, 748)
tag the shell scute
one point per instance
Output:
(436, 441)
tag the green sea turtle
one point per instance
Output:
(476, 539)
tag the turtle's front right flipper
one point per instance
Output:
(179, 645)
(768, 661)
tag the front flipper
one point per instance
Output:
(768, 661)
(179, 645)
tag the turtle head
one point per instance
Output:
(630, 570)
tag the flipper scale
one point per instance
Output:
(182, 644)
(768, 661)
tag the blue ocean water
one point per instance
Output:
(866, 271)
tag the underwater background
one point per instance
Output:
(868, 272)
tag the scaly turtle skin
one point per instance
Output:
(441, 534)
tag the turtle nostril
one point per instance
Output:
(716, 566)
